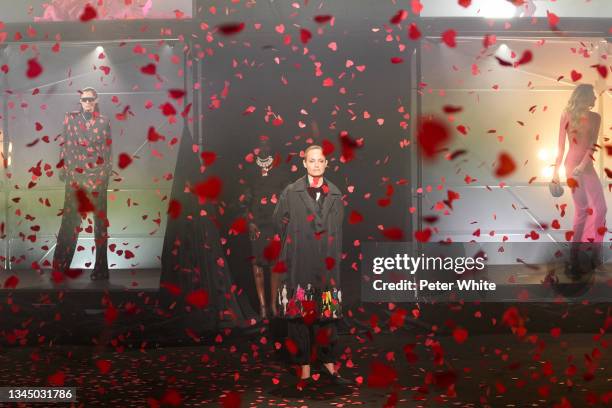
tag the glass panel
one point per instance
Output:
(513, 110)
(71, 10)
(35, 109)
(505, 9)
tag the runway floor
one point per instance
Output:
(414, 370)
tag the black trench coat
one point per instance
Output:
(311, 237)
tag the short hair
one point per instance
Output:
(90, 89)
(313, 147)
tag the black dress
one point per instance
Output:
(193, 259)
(311, 237)
(266, 179)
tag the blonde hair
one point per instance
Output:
(578, 104)
(313, 147)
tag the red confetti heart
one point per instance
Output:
(172, 397)
(355, 217)
(394, 234)
(555, 224)
(348, 147)
(84, 204)
(448, 37)
(104, 366)
(231, 28)
(489, 40)
(34, 68)
(555, 332)
(74, 273)
(460, 335)
(57, 379)
(168, 109)
(553, 19)
(322, 19)
(173, 289)
(198, 298)
(413, 32)
(602, 70)
(11, 282)
(279, 267)
(208, 158)
(505, 165)
(381, 375)
(305, 35)
(153, 136)
(176, 93)
(452, 109)
(239, 226)
(400, 16)
(465, 3)
(124, 160)
(272, 251)
(174, 209)
(89, 13)
(209, 189)
(111, 314)
(231, 400)
(330, 263)
(397, 60)
(328, 147)
(149, 69)
(576, 75)
(423, 236)
(291, 346)
(525, 58)
(432, 136)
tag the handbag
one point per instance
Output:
(556, 189)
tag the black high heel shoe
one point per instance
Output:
(335, 377)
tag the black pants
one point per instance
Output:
(71, 226)
(318, 341)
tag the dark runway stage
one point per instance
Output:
(497, 370)
(447, 354)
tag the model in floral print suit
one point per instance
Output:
(85, 167)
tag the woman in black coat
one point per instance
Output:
(309, 218)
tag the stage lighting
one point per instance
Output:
(504, 53)
(497, 9)
(543, 154)
(99, 49)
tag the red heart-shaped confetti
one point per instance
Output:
(34, 68)
(149, 69)
(505, 165)
(448, 37)
(89, 13)
(231, 28)
(198, 298)
(124, 160)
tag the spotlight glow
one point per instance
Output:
(543, 154)
(497, 9)
(99, 48)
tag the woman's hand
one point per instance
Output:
(555, 178)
